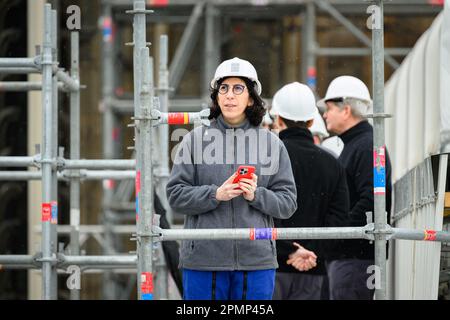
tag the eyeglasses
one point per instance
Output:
(237, 88)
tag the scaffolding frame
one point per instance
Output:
(145, 122)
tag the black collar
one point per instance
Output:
(362, 127)
(301, 133)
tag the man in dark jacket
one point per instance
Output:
(322, 197)
(346, 102)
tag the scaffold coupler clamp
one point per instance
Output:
(158, 233)
(53, 259)
(371, 232)
(37, 160)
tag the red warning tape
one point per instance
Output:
(138, 182)
(274, 234)
(146, 282)
(46, 211)
(178, 118)
(430, 235)
(252, 234)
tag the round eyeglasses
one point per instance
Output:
(237, 88)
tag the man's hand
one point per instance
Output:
(302, 259)
(227, 190)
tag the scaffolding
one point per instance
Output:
(150, 119)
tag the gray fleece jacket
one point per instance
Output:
(206, 157)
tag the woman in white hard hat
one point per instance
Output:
(205, 191)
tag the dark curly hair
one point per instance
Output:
(254, 113)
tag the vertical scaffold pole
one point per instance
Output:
(109, 287)
(379, 156)
(54, 133)
(309, 46)
(163, 131)
(144, 267)
(48, 269)
(144, 235)
(162, 170)
(74, 154)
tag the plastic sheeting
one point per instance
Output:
(418, 97)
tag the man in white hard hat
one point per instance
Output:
(346, 103)
(322, 197)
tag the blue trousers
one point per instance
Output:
(228, 285)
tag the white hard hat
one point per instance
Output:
(267, 119)
(294, 101)
(318, 127)
(346, 87)
(236, 68)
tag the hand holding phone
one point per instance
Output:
(246, 178)
(244, 172)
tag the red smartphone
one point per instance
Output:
(244, 172)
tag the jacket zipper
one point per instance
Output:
(232, 206)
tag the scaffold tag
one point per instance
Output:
(147, 286)
(379, 171)
(54, 212)
(46, 211)
(430, 235)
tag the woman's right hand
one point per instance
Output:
(227, 190)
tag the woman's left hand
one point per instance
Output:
(249, 187)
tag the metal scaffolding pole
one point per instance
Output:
(55, 141)
(379, 147)
(123, 106)
(359, 51)
(250, 234)
(264, 233)
(109, 120)
(144, 180)
(140, 69)
(18, 161)
(74, 154)
(20, 62)
(70, 83)
(115, 164)
(162, 171)
(309, 46)
(21, 70)
(48, 255)
(212, 45)
(20, 86)
(68, 174)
